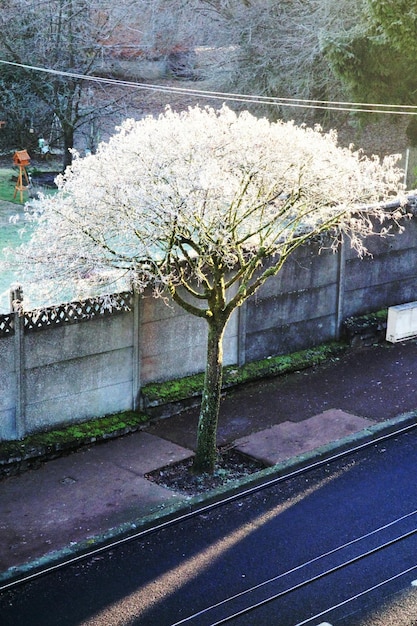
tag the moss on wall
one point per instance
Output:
(72, 436)
(156, 394)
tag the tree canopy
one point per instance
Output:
(205, 205)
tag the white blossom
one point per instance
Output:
(201, 185)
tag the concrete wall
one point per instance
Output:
(297, 308)
(385, 279)
(66, 374)
(8, 387)
(173, 343)
(316, 291)
(74, 371)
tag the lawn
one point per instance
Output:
(11, 235)
(11, 231)
(15, 230)
(7, 185)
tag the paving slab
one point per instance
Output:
(289, 439)
(82, 495)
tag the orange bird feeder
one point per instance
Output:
(21, 158)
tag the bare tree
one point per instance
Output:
(93, 39)
(70, 36)
(259, 47)
(220, 204)
(275, 49)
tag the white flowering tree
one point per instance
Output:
(205, 205)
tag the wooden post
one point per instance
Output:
(19, 184)
(22, 159)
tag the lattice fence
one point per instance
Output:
(6, 325)
(75, 312)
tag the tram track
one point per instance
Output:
(357, 596)
(273, 597)
(212, 505)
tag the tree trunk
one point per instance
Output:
(68, 136)
(206, 454)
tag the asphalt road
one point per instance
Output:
(341, 536)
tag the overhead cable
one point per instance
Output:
(328, 105)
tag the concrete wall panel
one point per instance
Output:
(381, 269)
(74, 341)
(289, 338)
(75, 377)
(306, 269)
(7, 354)
(73, 408)
(177, 346)
(361, 301)
(289, 308)
(7, 425)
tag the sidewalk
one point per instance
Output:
(100, 493)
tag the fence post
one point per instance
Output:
(16, 301)
(241, 335)
(341, 266)
(136, 356)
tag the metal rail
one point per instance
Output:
(309, 581)
(302, 566)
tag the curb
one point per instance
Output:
(186, 507)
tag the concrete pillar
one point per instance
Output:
(16, 304)
(341, 267)
(136, 352)
(411, 168)
(241, 335)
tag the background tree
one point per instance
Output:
(274, 49)
(85, 39)
(375, 56)
(259, 47)
(64, 36)
(206, 206)
(59, 34)
(19, 107)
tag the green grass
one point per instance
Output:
(7, 186)
(12, 234)
(8, 177)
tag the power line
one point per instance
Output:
(328, 105)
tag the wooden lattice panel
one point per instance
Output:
(6, 325)
(75, 312)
